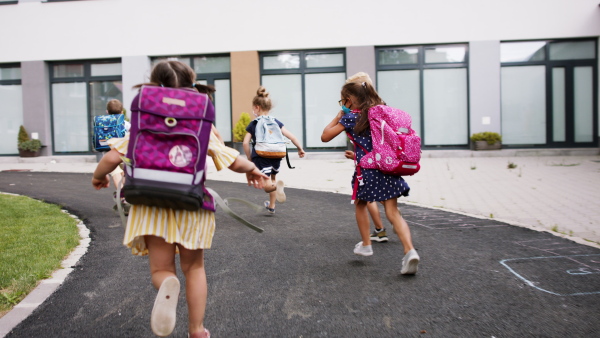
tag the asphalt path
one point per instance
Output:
(300, 278)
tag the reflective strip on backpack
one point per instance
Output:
(165, 176)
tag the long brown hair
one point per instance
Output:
(176, 74)
(367, 97)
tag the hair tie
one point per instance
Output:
(162, 85)
(194, 85)
(364, 84)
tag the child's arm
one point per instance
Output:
(349, 154)
(294, 140)
(333, 129)
(107, 164)
(246, 145)
(253, 175)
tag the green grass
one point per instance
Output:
(35, 238)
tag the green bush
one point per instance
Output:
(239, 131)
(30, 145)
(488, 136)
(23, 136)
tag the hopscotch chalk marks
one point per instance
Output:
(445, 220)
(572, 270)
(574, 275)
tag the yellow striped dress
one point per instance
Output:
(192, 229)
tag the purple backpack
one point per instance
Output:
(396, 146)
(168, 145)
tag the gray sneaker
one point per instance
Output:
(379, 236)
(410, 263)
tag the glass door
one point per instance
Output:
(572, 112)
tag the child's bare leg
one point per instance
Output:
(400, 226)
(269, 184)
(273, 193)
(374, 212)
(162, 267)
(362, 220)
(196, 290)
(162, 259)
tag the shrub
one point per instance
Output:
(23, 136)
(488, 136)
(239, 131)
(30, 145)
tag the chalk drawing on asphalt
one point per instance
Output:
(572, 275)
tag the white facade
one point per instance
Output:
(37, 33)
(37, 30)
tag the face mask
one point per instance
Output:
(346, 110)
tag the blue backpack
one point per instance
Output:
(105, 128)
(269, 138)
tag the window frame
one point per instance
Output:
(11, 82)
(421, 66)
(303, 70)
(549, 65)
(87, 78)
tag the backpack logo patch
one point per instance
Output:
(180, 156)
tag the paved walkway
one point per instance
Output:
(478, 277)
(560, 194)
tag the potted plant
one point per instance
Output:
(239, 131)
(27, 147)
(486, 140)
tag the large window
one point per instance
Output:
(548, 93)
(214, 70)
(11, 110)
(81, 90)
(305, 87)
(429, 83)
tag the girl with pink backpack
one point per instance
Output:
(357, 100)
(163, 232)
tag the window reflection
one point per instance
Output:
(68, 70)
(13, 73)
(282, 61)
(572, 50)
(212, 64)
(324, 60)
(445, 54)
(399, 56)
(522, 51)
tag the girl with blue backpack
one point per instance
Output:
(266, 134)
(371, 185)
(160, 232)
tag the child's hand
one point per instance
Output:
(99, 184)
(301, 153)
(255, 178)
(349, 154)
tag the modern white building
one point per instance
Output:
(527, 69)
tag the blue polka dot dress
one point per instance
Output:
(377, 186)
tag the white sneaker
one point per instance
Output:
(164, 312)
(279, 194)
(410, 263)
(363, 250)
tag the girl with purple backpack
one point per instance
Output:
(357, 99)
(161, 233)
